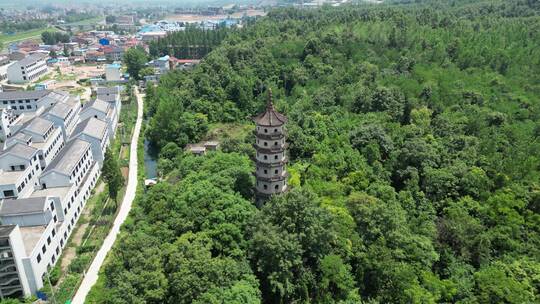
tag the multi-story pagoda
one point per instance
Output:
(271, 156)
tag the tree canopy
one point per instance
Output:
(414, 169)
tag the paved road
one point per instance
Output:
(92, 274)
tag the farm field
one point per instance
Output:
(6, 39)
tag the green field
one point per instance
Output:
(87, 21)
(5, 39)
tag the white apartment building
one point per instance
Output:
(45, 183)
(110, 95)
(102, 110)
(38, 224)
(112, 72)
(64, 115)
(12, 274)
(19, 171)
(96, 132)
(21, 101)
(28, 69)
(7, 120)
(45, 137)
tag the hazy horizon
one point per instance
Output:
(21, 4)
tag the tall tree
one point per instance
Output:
(135, 60)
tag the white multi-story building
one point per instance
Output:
(19, 170)
(12, 274)
(45, 183)
(112, 72)
(64, 115)
(30, 68)
(102, 110)
(96, 132)
(37, 219)
(21, 101)
(7, 120)
(45, 137)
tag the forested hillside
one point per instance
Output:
(414, 163)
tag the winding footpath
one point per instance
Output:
(92, 274)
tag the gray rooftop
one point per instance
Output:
(31, 236)
(23, 206)
(30, 59)
(60, 192)
(11, 177)
(20, 150)
(68, 157)
(5, 230)
(39, 126)
(60, 110)
(100, 105)
(108, 90)
(54, 97)
(92, 126)
(16, 95)
(108, 98)
(21, 136)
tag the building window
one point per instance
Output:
(38, 258)
(276, 187)
(265, 157)
(275, 156)
(276, 172)
(265, 130)
(52, 206)
(43, 249)
(9, 193)
(48, 240)
(265, 172)
(265, 187)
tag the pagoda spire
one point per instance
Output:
(269, 101)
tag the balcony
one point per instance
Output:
(270, 136)
(273, 178)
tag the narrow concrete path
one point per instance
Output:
(92, 275)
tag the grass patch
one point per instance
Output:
(220, 131)
(5, 38)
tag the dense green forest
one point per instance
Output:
(192, 43)
(414, 167)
